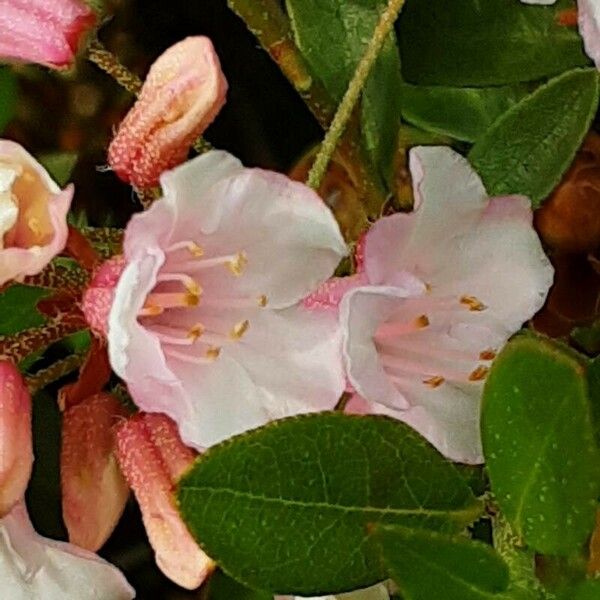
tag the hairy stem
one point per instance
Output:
(109, 63)
(346, 107)
(54, 372)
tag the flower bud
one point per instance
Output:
(183, 93)
(43, 31)
(153, 457)
(16, 451)
(569, 221)
(94, 491)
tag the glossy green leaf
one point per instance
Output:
(8, 96)
(461, 113)
(588, 590)
(593, 375)
(333, 36)
(287, 507)
(222, 587)
(527, 150)
(539, 445)
(480, 43)
(428, 565)
(18, 308)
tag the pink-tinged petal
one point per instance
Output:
(94, 492)
(329, 294)
(38, 232)
(16, 452)
(147, 468)
(449, 198)
(540, 2)
(589, 27)
(32, 566)
(183, 93)
(376, 592)
(43, 31)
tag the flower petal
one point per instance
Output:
(589, 27)
(32, 566)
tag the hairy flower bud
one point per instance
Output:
(16, 453)
(183, 93)
(94, 491)
(153, 457)
(569, 221)
(43, 31)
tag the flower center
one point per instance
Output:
(192, 321)
(407, 352)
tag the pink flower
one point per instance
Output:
(33, 214)
(205, 325)
(94, 491)
(449, 283)
(32, 566)
(43, 31)
(153, 458)
(16, 453)
(183, 93)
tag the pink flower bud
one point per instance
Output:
(153, 457)
(94, 491)
(33, 212)
(43, 31)
(183, 93)
(16, 452)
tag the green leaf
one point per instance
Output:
(588, 590)
(287, 507)
(60, 165)
(428, 565)
(8, 96)
(527, 150)
(462, 113)
(593, 374)
(588, 338)
(494, 42)
(18, 308)
(222, 587)
(333, 36)
(539, 444)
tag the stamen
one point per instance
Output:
(213, 352)
(151, 311)
(237, 264)
(396, 328)
(172, 300)
(473, 303)
(434, 382)
(196, 360)
(194, 249)
(239, 329)
(479, 373)
(196, 331)
(487, 355)
(263, 301)
(192, 286)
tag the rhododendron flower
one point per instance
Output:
(183, 93)
(94, 491)
(153, 458)
(33, 214)
(205, 325)
(588, 18)
(376, 592)
(16, 452)
(43, 31)
(448, 284)
(32, 566)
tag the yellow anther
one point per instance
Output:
(487, 355)
(263, 301)
(196, 331)
(192, 299)
(422, 321)
(434, 382)
(213, 352)
(151, 311)
(479, 373)
(237, 264)
(473, 303)
(193, 287)
(195, 250)
(239, 329)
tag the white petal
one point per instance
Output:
(33, 567)
(542, 2)
(589, 27)
(376, 592)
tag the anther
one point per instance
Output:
(151, 311)
(473, 303)
(196, 331)
(237, 264)
(434, 382)
(239, 329)
(195, 250)
(263, 301)
(422, 321)
(192, 299)
(487, 355)
(213, 353)
(479, 373)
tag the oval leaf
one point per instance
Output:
(494, 42)
(431, 566)
(539, 444)
(287, 507)
(527, 150)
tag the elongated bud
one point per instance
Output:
(94, 491)
(153, 457)
(16, 452)
(183, 93)
(43, 31)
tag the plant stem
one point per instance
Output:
(346, 107)
(54, 372)
(109, 63)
